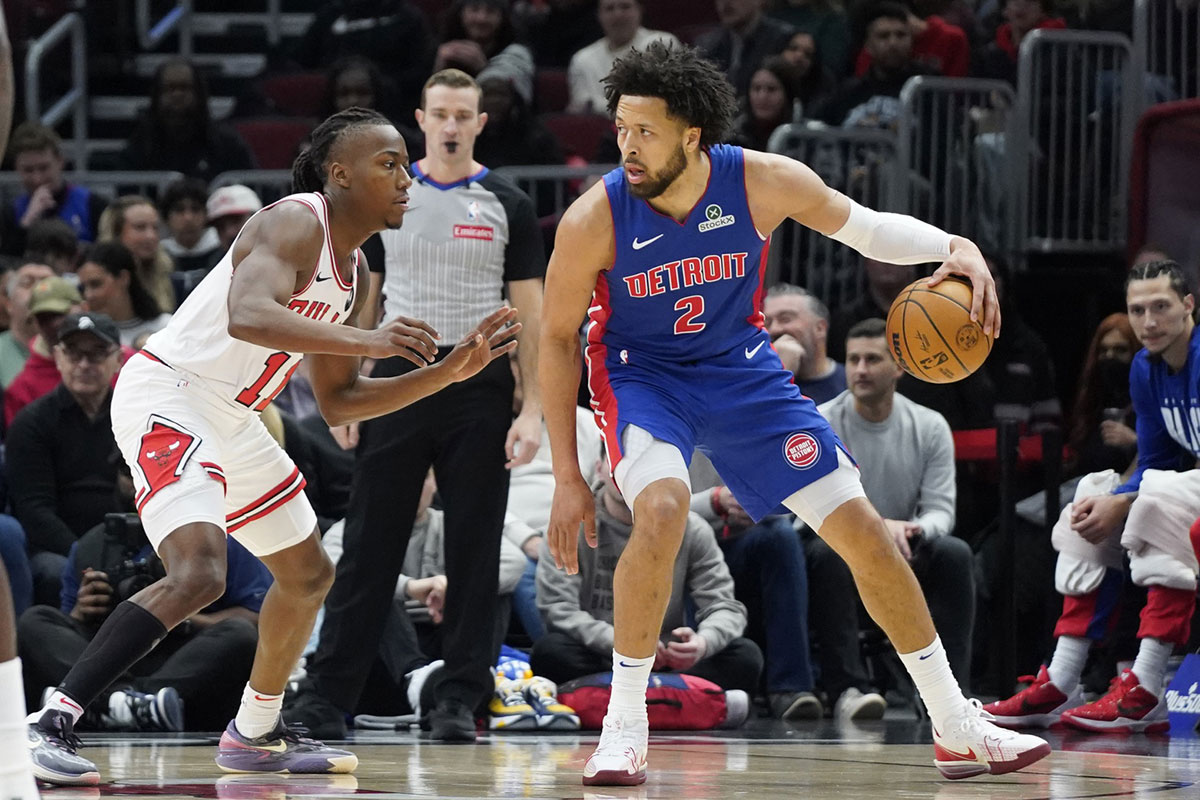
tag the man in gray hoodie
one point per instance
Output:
(578, 609)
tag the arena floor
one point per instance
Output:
(889, 759)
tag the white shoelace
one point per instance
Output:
(615, 738)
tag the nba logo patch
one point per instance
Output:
(472, 211)
(801, 450)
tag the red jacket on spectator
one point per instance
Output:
(1004, 37)
(39, 377)
(942, 47)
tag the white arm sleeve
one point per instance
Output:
(894, 238)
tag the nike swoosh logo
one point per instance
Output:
(969, 755)
(750, 353)
(326, 278)
(277, 748)
(260, 697)
(639, 245)
(623, 664)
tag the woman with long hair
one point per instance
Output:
(769, 103)
(133, 221)
(480, 33)
(110, 285)
(1101, 434)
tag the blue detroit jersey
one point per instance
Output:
(682, 291)
(1168, 412)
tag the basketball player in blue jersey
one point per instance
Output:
(666, 257)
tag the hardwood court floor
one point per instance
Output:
(891, 759)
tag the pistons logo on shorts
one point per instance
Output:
(801, 450)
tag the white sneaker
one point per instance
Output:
(970, 744)
(416, 681)
(854, 705)
(620, 758)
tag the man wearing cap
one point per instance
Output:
(228, 209)
(61, 474)
(51, 300)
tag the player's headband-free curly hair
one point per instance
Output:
(308, 170)
(694, 89)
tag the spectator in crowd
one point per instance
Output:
(1151, 515)
(191, 242)
(816, 81)
(771, 102)
(110, 284)
(134, 222)
(938, 46)
(354, 81)
(394, 35)
(422, 271)
(478, 34)
(799, 326)
(578, 609)
(1101, 433)
(228, 209)
(825, 23)
(559, 29)
(61, 473)
(54, 243)
(14, 559)
(621, 21)
(22, 326)
(905, 455)
(50, 301)
(883, 283)
(178, 133)
(188, 682)
(746, 37)
(36, 153)
(998, 59)
(873, 100)
(766, 561)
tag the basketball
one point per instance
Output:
(931, 333)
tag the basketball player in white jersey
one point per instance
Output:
(204, 466)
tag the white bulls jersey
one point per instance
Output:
(197, 340)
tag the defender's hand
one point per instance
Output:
(492, 338)
(410, 339)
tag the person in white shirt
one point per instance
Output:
(621, 21)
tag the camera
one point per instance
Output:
(131, 574)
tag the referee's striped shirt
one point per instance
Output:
(460, 243)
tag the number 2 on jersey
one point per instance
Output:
(695, 307)
(251, 396)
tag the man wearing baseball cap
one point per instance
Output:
(61, 477)
(228, 209)
(51, 299)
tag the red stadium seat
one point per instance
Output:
(297, 94)
(579, 134)
(274, 142)
(550, 90)
(676, 15)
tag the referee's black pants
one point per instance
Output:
(460, 431)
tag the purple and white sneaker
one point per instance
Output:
(285, 749)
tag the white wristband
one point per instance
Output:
(894, 238)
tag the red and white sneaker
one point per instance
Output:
(969, 745)
(1127, 707)
(620, 758)
(1038, 705)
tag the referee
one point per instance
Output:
(469, 237)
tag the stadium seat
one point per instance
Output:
(274, 142)
(550, 90)
(296, 94)
(579, 134)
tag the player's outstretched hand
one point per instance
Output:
(966, 260)
(491, 338)
(411, 339)
(573, 505)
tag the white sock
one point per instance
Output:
(1066, 666)
(258, 713)
(930, 671)
(630, 676)
(59, 702)
(1151, 664)
(16, 773)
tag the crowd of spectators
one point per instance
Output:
(87, 277)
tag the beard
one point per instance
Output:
(654, 185)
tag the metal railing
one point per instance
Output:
(177, 19)
(1078, 99)
(863, 165)
(1166, 41)
(111, 184)
(74, 102)
(553, 187)
(950, 153)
